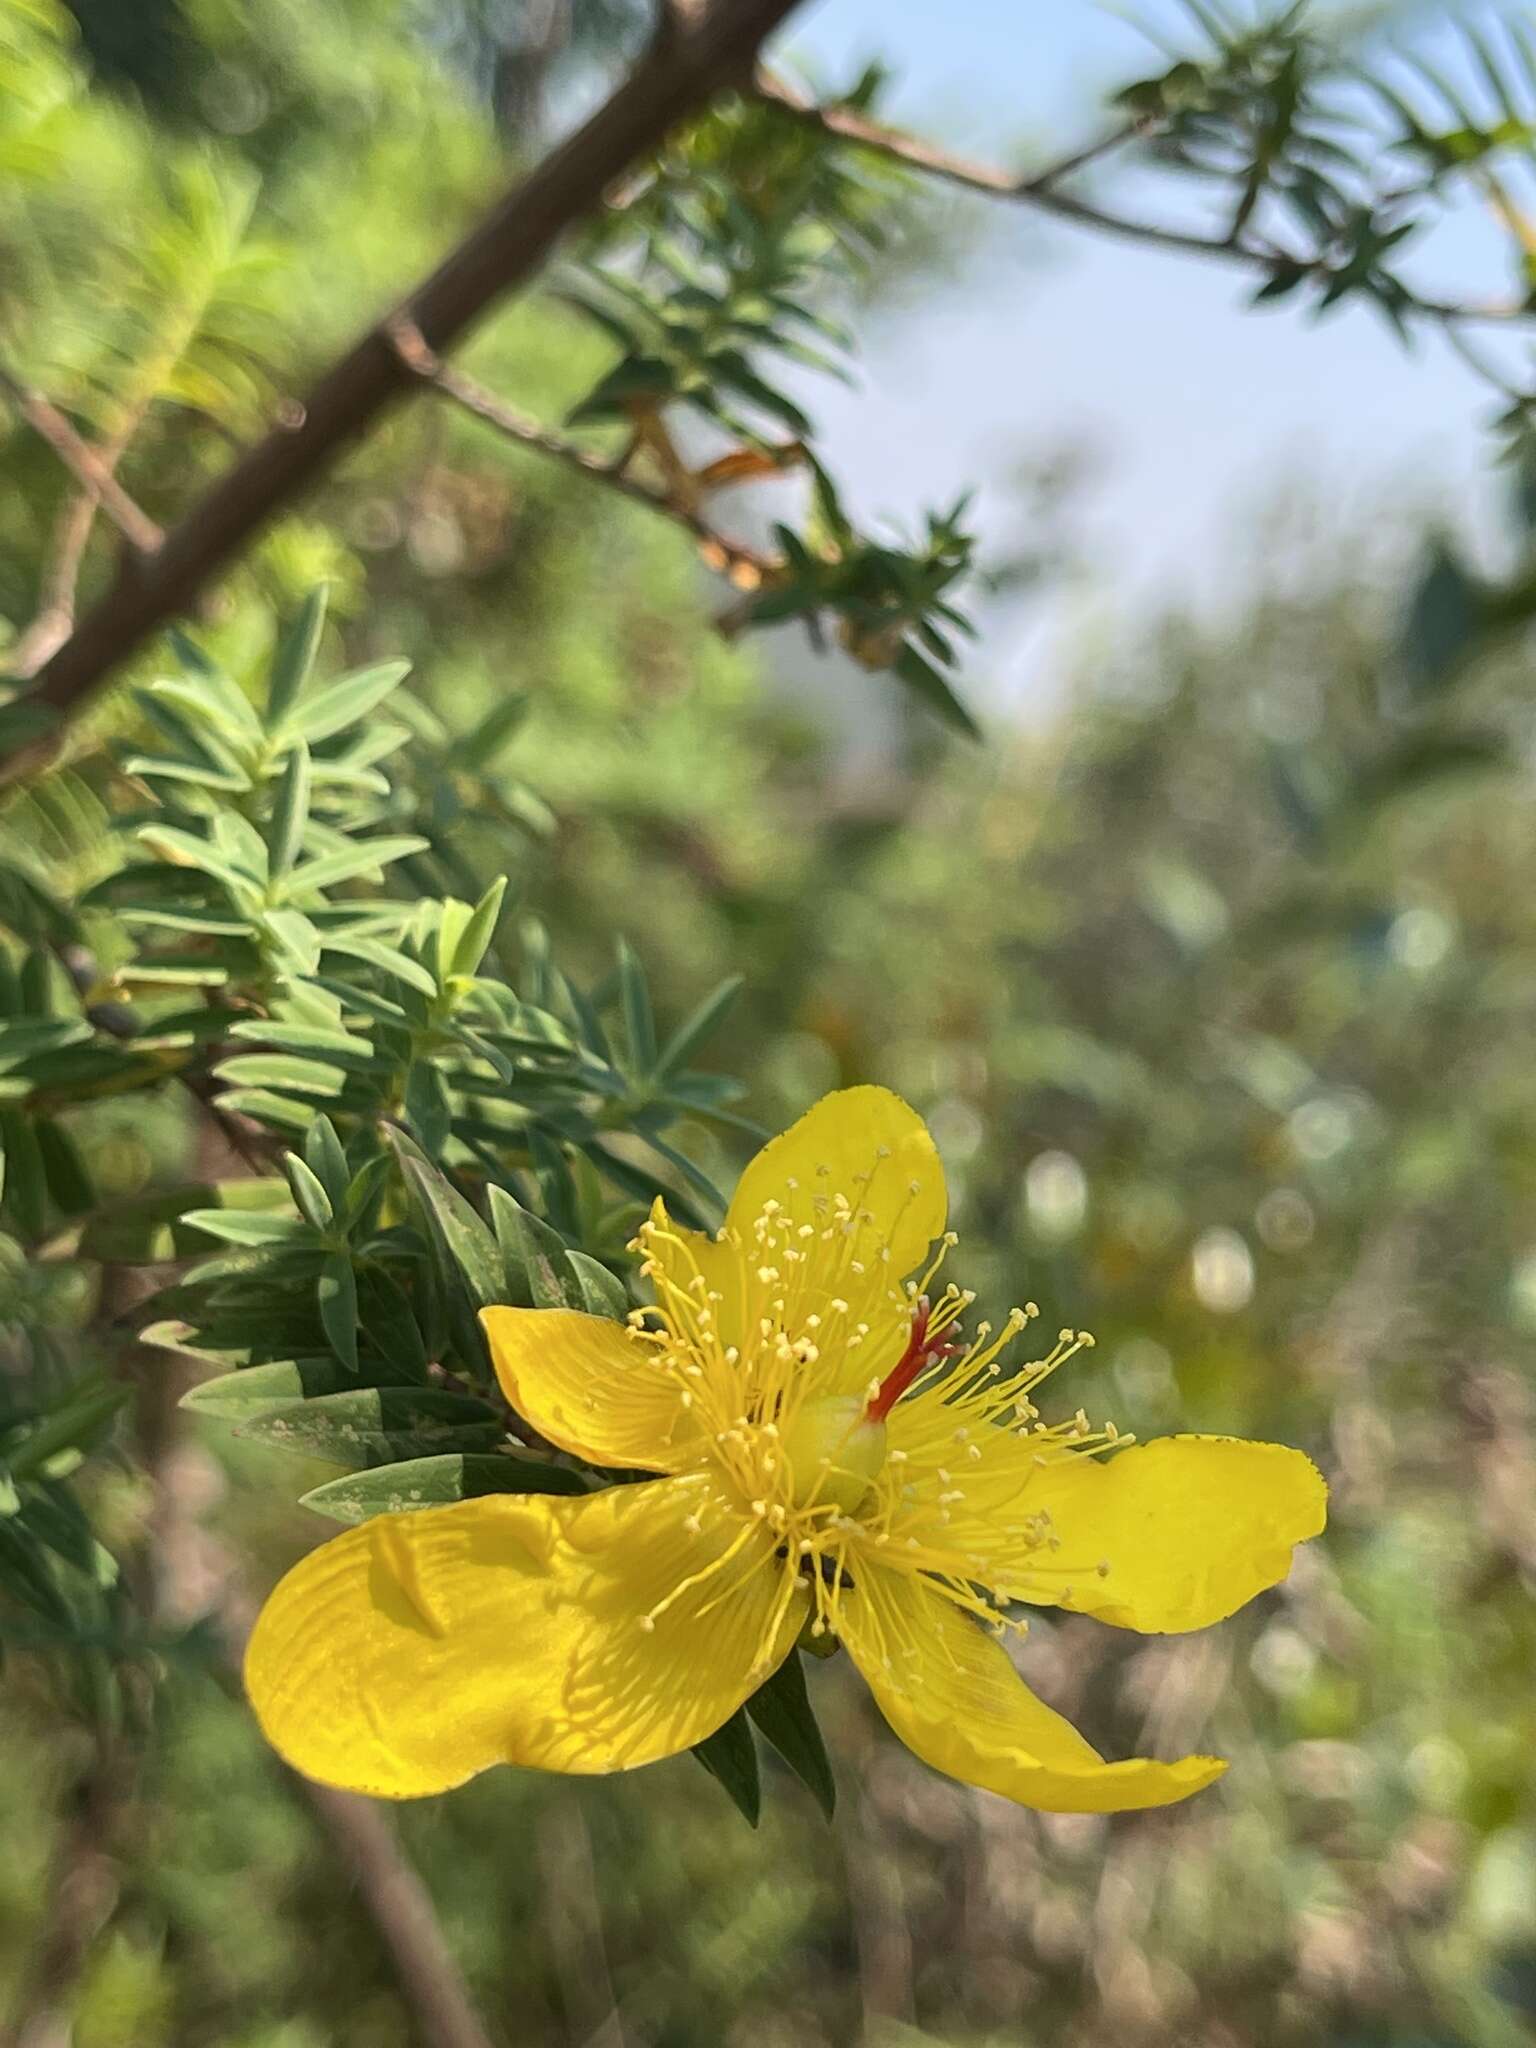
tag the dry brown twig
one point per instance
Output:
(1039, 190)
(746, 566)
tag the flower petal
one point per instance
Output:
(413, 1651)
(866, 1144)
(1190, 1527)
(948, 1689)
(591, 1388)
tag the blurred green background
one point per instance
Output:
(1216, 986)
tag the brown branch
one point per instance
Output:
(85, 465)
(402, 1913)
(718, 549)
(1038, 190)
(675, 81)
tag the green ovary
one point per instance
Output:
(834, 1452)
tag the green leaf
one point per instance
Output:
(316, 1040)
(468, 1260)
(295, 656)
(290, 814)
(639, 1022)
(269, 1108)
(476, 936)
(310, 1197)
(925, 681)
(68, 1182)
(782, 1711)
(255, 1229)
(365, 1426)
(362, 857)
(345, 702)
(436, 1482)
(26, 1183)
(534, 1257)
(388, 1320)
(427, 1105)
(697, 1026)
(602, 1292)
(285, 1071)
(386, 958)
(255, 1389)
(327, 1161)
(337, 1289)
(730, 1757)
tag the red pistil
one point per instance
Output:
(917, 1357)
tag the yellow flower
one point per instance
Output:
(839, 1461)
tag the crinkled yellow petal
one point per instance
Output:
(591, 1388)
(863, 1143)
(413, 1651)
(948, 1689)
(1190, 1528)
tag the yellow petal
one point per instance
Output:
(865, 1144)
(1190, 1527)
(947, 1687)
(591, 1388)
(413, 1651)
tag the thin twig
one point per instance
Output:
(94, 469)
(719, 550)
(84, 464)
(1038, 190)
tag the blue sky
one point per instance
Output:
(1194, 409)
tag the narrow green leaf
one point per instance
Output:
(468, 1260)
(427, 1105)
(290, 813)
(387, 1318)
(602, 1292)
(281, 1070)
(337, 1290)
(310, 1197)
(347, 701)
(782, 1711)
(639, 1020)
(436, 1482)
(478, 933)
(68, 1183)
(255, 1230)
(323, 1043)
(925, 681)
(363, 857)
(26, 1183)
(386, 958)
(534, 1256)
(253, 1389)
(697, 1026)
(327, 1161)
(366, 1426)
(730, 1757)
(295, 656)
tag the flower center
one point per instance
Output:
(835, 1450)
